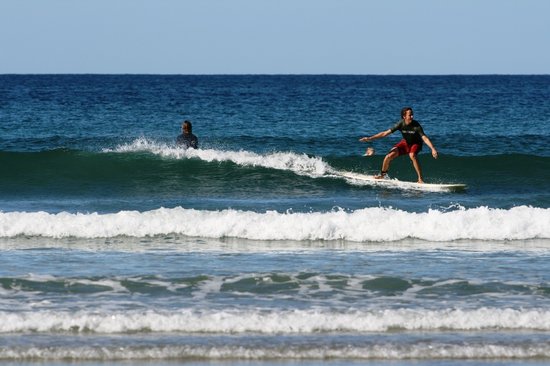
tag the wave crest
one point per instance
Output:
(298, 163)
(364, 225)
(277, 322)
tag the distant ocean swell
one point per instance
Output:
(369, 224)
(274, 322)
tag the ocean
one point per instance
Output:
(119, 247)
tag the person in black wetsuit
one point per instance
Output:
(187, 139)
(411, 144)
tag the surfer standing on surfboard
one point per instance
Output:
(411, 144)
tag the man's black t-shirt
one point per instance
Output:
(412, 133)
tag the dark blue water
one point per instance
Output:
(117, 245)
(59, 132)
(318, 115)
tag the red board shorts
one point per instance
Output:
(404, 149)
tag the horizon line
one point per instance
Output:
(267, 74)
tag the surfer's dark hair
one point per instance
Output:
(188, 124)
(404, 110)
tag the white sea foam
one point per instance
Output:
(369, 224)
(390, 351)
(298, 163)
(275, 322)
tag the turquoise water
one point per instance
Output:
(116, 246)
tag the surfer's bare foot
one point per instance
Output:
(420, 181)
(380, 176)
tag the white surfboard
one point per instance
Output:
(398, 184)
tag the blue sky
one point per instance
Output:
(275, 37)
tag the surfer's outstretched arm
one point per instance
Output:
(377, 136)
(430, 145)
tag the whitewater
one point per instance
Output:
(369, 224)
